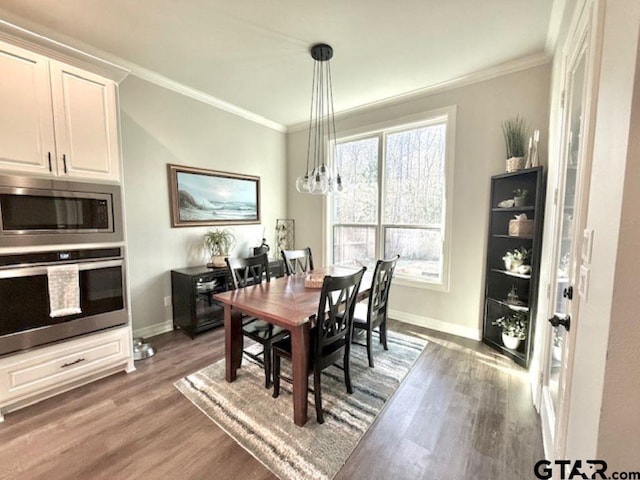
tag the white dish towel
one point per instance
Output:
(64, 290)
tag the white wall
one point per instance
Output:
(160, 127)
(479, 153)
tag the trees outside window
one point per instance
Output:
(395, 202)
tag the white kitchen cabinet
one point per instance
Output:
(26, 118)
(56, 119)
(39, 373)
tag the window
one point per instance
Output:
(398, 181)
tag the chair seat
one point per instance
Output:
(284, 348)
(259, 329)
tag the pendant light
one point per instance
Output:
(321, 176)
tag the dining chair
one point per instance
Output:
(251, 271)
(330, 338)
(373, 314)
(297, 261)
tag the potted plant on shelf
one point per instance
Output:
(520, 196)
(514, 328)
(514, 259)
(218, 242)
(515, 134)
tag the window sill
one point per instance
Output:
(423, 284)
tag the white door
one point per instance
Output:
(569, 211)
(26, 119)
(84, 107)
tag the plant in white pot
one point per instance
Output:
(515, 258)
(514, 328)
(515, 132)
(520, 197)
(219, 242)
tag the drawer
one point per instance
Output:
(49, 367)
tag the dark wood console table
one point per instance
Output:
(192, 290)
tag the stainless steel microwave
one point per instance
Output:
(36, 211)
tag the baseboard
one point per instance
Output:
(433, 324)
(153, 330)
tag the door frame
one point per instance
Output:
(585, 34)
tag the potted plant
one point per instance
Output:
(520, 196)
(514, 328)
(515, 258)
(218, 242)
(515, 134)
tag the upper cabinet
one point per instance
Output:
(56, 119)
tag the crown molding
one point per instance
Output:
(507, 68)
(113, 67)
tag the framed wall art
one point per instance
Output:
(201, 197)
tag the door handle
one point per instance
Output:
(565, 321)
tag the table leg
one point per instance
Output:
(300, 365)
(233, 343)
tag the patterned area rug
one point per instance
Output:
(264, 425)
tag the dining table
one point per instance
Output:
(287, 303)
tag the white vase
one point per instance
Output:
(515, 163)
(519, 201)
(512, 343)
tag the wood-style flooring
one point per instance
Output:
(463, 412)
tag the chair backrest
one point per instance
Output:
(335, 311)
(297, 261)
(380, 286)
(248, 271)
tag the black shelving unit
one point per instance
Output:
(499, 281)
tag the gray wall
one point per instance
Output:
(160, 127)
(479, 153)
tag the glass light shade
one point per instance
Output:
(339, 187)
(319, 185)
(303, 184)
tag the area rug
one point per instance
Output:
(264, 425)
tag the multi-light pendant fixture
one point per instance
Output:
(321, 176)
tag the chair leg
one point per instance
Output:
(370, 347)
(276, 375)
(267, 366)
(347, 372)
(383, 334)
(318, 395)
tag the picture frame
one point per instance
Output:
(203, 197)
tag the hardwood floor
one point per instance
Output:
(462, 412)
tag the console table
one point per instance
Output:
(192, 290)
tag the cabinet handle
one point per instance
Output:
(49, 158)
(64, 162)
(65, 365)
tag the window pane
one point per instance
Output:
(358, 166)
(354, 243)
(420, 251)
(414, 176)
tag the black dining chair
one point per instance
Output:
(297, 261)
(373, 314)
(330, 338)
(252, 271)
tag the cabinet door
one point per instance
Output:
(26, 120)
(86, 121)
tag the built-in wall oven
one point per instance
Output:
(25, 315)
(35, 212)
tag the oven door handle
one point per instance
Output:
(42, 270)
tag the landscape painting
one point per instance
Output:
(208, 197)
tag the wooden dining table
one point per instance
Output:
(285, 302)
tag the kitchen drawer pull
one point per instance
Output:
(65, 365)
(49, 158)
(64, 162)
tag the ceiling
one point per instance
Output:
(254, 53)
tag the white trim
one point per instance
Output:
(108, 62)
(153, 330)
(434, 324)
(489, 73)
(548, 421)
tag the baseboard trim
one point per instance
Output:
(153, 330)
(433, 324)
